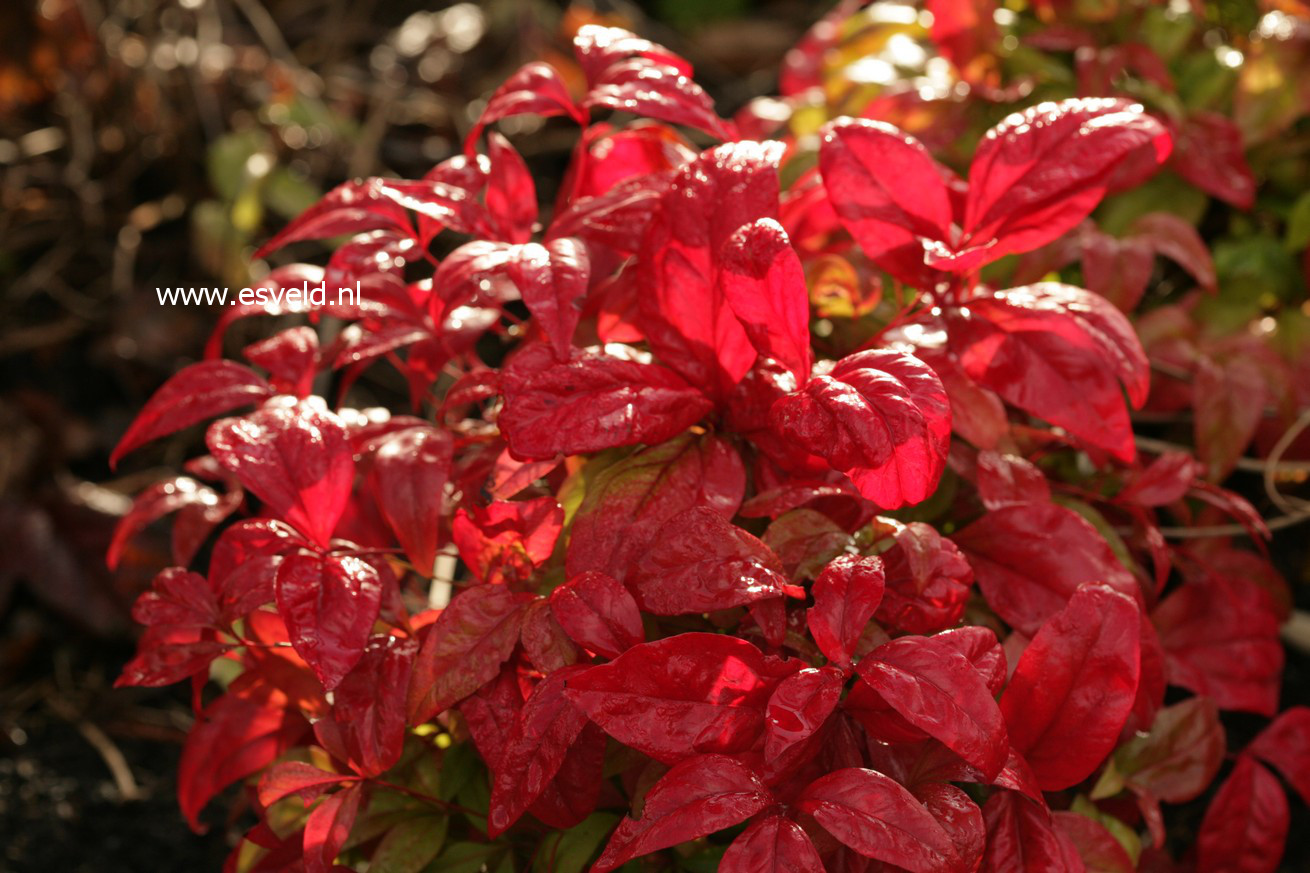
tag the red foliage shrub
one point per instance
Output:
(722, 566)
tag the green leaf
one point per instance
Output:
(570, 851)
(1298, 224)
(410, 845)
(468, 858)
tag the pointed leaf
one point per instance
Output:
(846, 595)
(1245, 828)
(598, 613)
(764, 284)
(408, 478)
(552, 279)
(772, 845)
(329, 605)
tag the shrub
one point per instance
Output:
(789, 526)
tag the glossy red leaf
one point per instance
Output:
(546, 728)
(880, 819)
(888, 192)
(762, 280)
(1245, 828)
(180, 599)
(329, 605)
(295, 458)
(879, 416)
(291, 358)
(684, 695)
(192, 395)
(655, 90)
(545, 642)
(505, 540)
(617, 218)
(534, 89)
(510, 194)
(1165, 480)
(234, 737)
(686, 319)
(799, 708)
(464, 648)
(1098, 848)
(598, 613)
(1040, 172)
(328, 827)
(1285, 746)
(959, 816)
(170, 653)
(295, 777)
(408, 477)
(351, 207)
(597, 47)
(928, 581)
(1074, 686)
(1210, 155)
(597, 399)
(846, 595)
(629, 501)
(936, 688)
(1022, 838)
(772, 845)
(1004, 480)
(1030, 558)
(696, 797)
(1057, 352)
(700, 562)
(368, 705)
(1221, 639)
(552, 279)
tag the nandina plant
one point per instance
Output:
(729, 526)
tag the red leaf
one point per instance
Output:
(294, 777)
(1180, 242)
(879, 416)
(546, 728)
(510, 194)
(1285, 745)
(880, 819)
(1229, 401)
(291, 358)
(408, 477)
(772, 845)
(167, 654)
(552, 279)
(351, 207)
(1245, 828)
(534, 89)
(799, 707)
(1040, 172)
(966, 34)
(1098, 848)
(369, 704)
(192, 395)
(234, 737)
(1004, 480)
(329, 605)
(597, 399)
(1167, 479)
(696, 797)
(762, 280)
(936, 688)
(1117, 269)
(888, 192)
(180, 599)
(654, 90)
(681, 696)
(629, 501)
(597, 48)
(464, 648)
(328, 826)
(928, 581)
(1222, 641)
(846, 594)
(700, 562)
(686, 319)
(1030, 558)
(1209, 154)
(617, 218)
(1022, 838)
(598, 613)
(504, 541)
(1055, 351)
(1176, 760)
(295, 458)
(545, 642)
(1074, 686)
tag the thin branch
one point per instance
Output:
(1246, 465)
(1232, 530)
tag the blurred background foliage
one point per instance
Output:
(155, 143)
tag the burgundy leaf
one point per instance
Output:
(772, 845)
(1022, 838)
(598, 613)
(1245, 828)
(180, 599)
(1229, 400)
(1209, 155)
(464, 649)
(1285, 746)
(291, 358)
(879, 416)
(685, 695)
(880, 819)
(1030, 558)
(928, 581)
(329, 605)
(846, 594)
(655, 90)
(192, 395)
(597, 399)
(294, 777)
(408, 477)
(700, 562)
(1180, 242)
(1004, 480)
(1098, 848)
(170, 653)
(1176, 760)
(1074, 686)
(762, 280)
(511, 195)
(534, 89)
(956, 812)
(369, 704)
(617, 218)
(696, 797)
(295, 458)
(545, 642)
(552, 279)
(799, 707)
